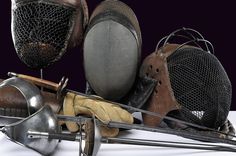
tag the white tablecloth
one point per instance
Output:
(66, 148)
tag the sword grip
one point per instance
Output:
(58, 136)
(37, 81)
(68, 137)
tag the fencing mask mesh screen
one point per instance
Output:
(192, 83)
(112, 49)
(200, 85)
(41, 31)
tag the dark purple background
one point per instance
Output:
(216, 21)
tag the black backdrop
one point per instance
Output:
(216, 21)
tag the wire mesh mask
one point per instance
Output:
(112, 49)
(199, 85)
(43, 30)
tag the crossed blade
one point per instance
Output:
(32, 134)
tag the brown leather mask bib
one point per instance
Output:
(162, 99)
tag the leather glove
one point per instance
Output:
(79, 105)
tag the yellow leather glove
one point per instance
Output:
(103, 111)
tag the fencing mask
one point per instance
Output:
(42, 30)
(112, 49)
(191, 81)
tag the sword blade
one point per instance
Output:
(6, 120)
(54, 86)
(167, 144)
(182, 133)
(79, 119)
(151, 113)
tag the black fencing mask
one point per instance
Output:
(198, 81)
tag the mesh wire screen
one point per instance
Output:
(120, 7)
(201, 86)
(41, 31)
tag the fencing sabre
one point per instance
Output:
(61, 89)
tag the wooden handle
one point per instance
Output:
(37, 81)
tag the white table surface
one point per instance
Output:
(66, 148)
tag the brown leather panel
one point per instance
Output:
(162, 99)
